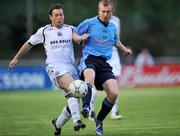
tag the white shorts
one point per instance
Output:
(58, 69)
(115, 63)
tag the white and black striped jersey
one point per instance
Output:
(58, 43)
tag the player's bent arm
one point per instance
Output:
(122, 48)
(25, 48)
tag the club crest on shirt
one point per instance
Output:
(57, 73)
(59, 34)
(105, 37)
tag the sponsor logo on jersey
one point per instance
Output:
(57, 44)
(59, 34)
(60, 41)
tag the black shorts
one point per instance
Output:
(102, 70)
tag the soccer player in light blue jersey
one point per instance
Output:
(116, 69)
(93, 67)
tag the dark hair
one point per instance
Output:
(55, 6)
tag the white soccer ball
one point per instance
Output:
(78, 89)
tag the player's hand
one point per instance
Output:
(12, 64)
(127, 52)
(84, 37)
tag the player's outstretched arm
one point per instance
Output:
(25, 48)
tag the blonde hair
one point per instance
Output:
(105, 3)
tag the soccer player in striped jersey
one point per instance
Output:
(58, 44)
(94, 68)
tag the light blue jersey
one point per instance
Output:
(101, 38)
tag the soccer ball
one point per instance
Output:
(78, 89)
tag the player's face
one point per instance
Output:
(105, 12)
(57, 18)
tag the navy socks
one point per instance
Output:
(105, 109)
(86, 99)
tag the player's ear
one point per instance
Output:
(98, 10)
(50, 17)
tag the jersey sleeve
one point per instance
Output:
(73, 29)
(117, 39)
(116, 36)
(83, 27)
(36, 38)
(118, 29)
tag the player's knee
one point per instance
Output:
(112, 96)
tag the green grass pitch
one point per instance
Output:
(146, 111)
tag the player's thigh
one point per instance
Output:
(89, 75)
(65, 80)
(111, 88)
